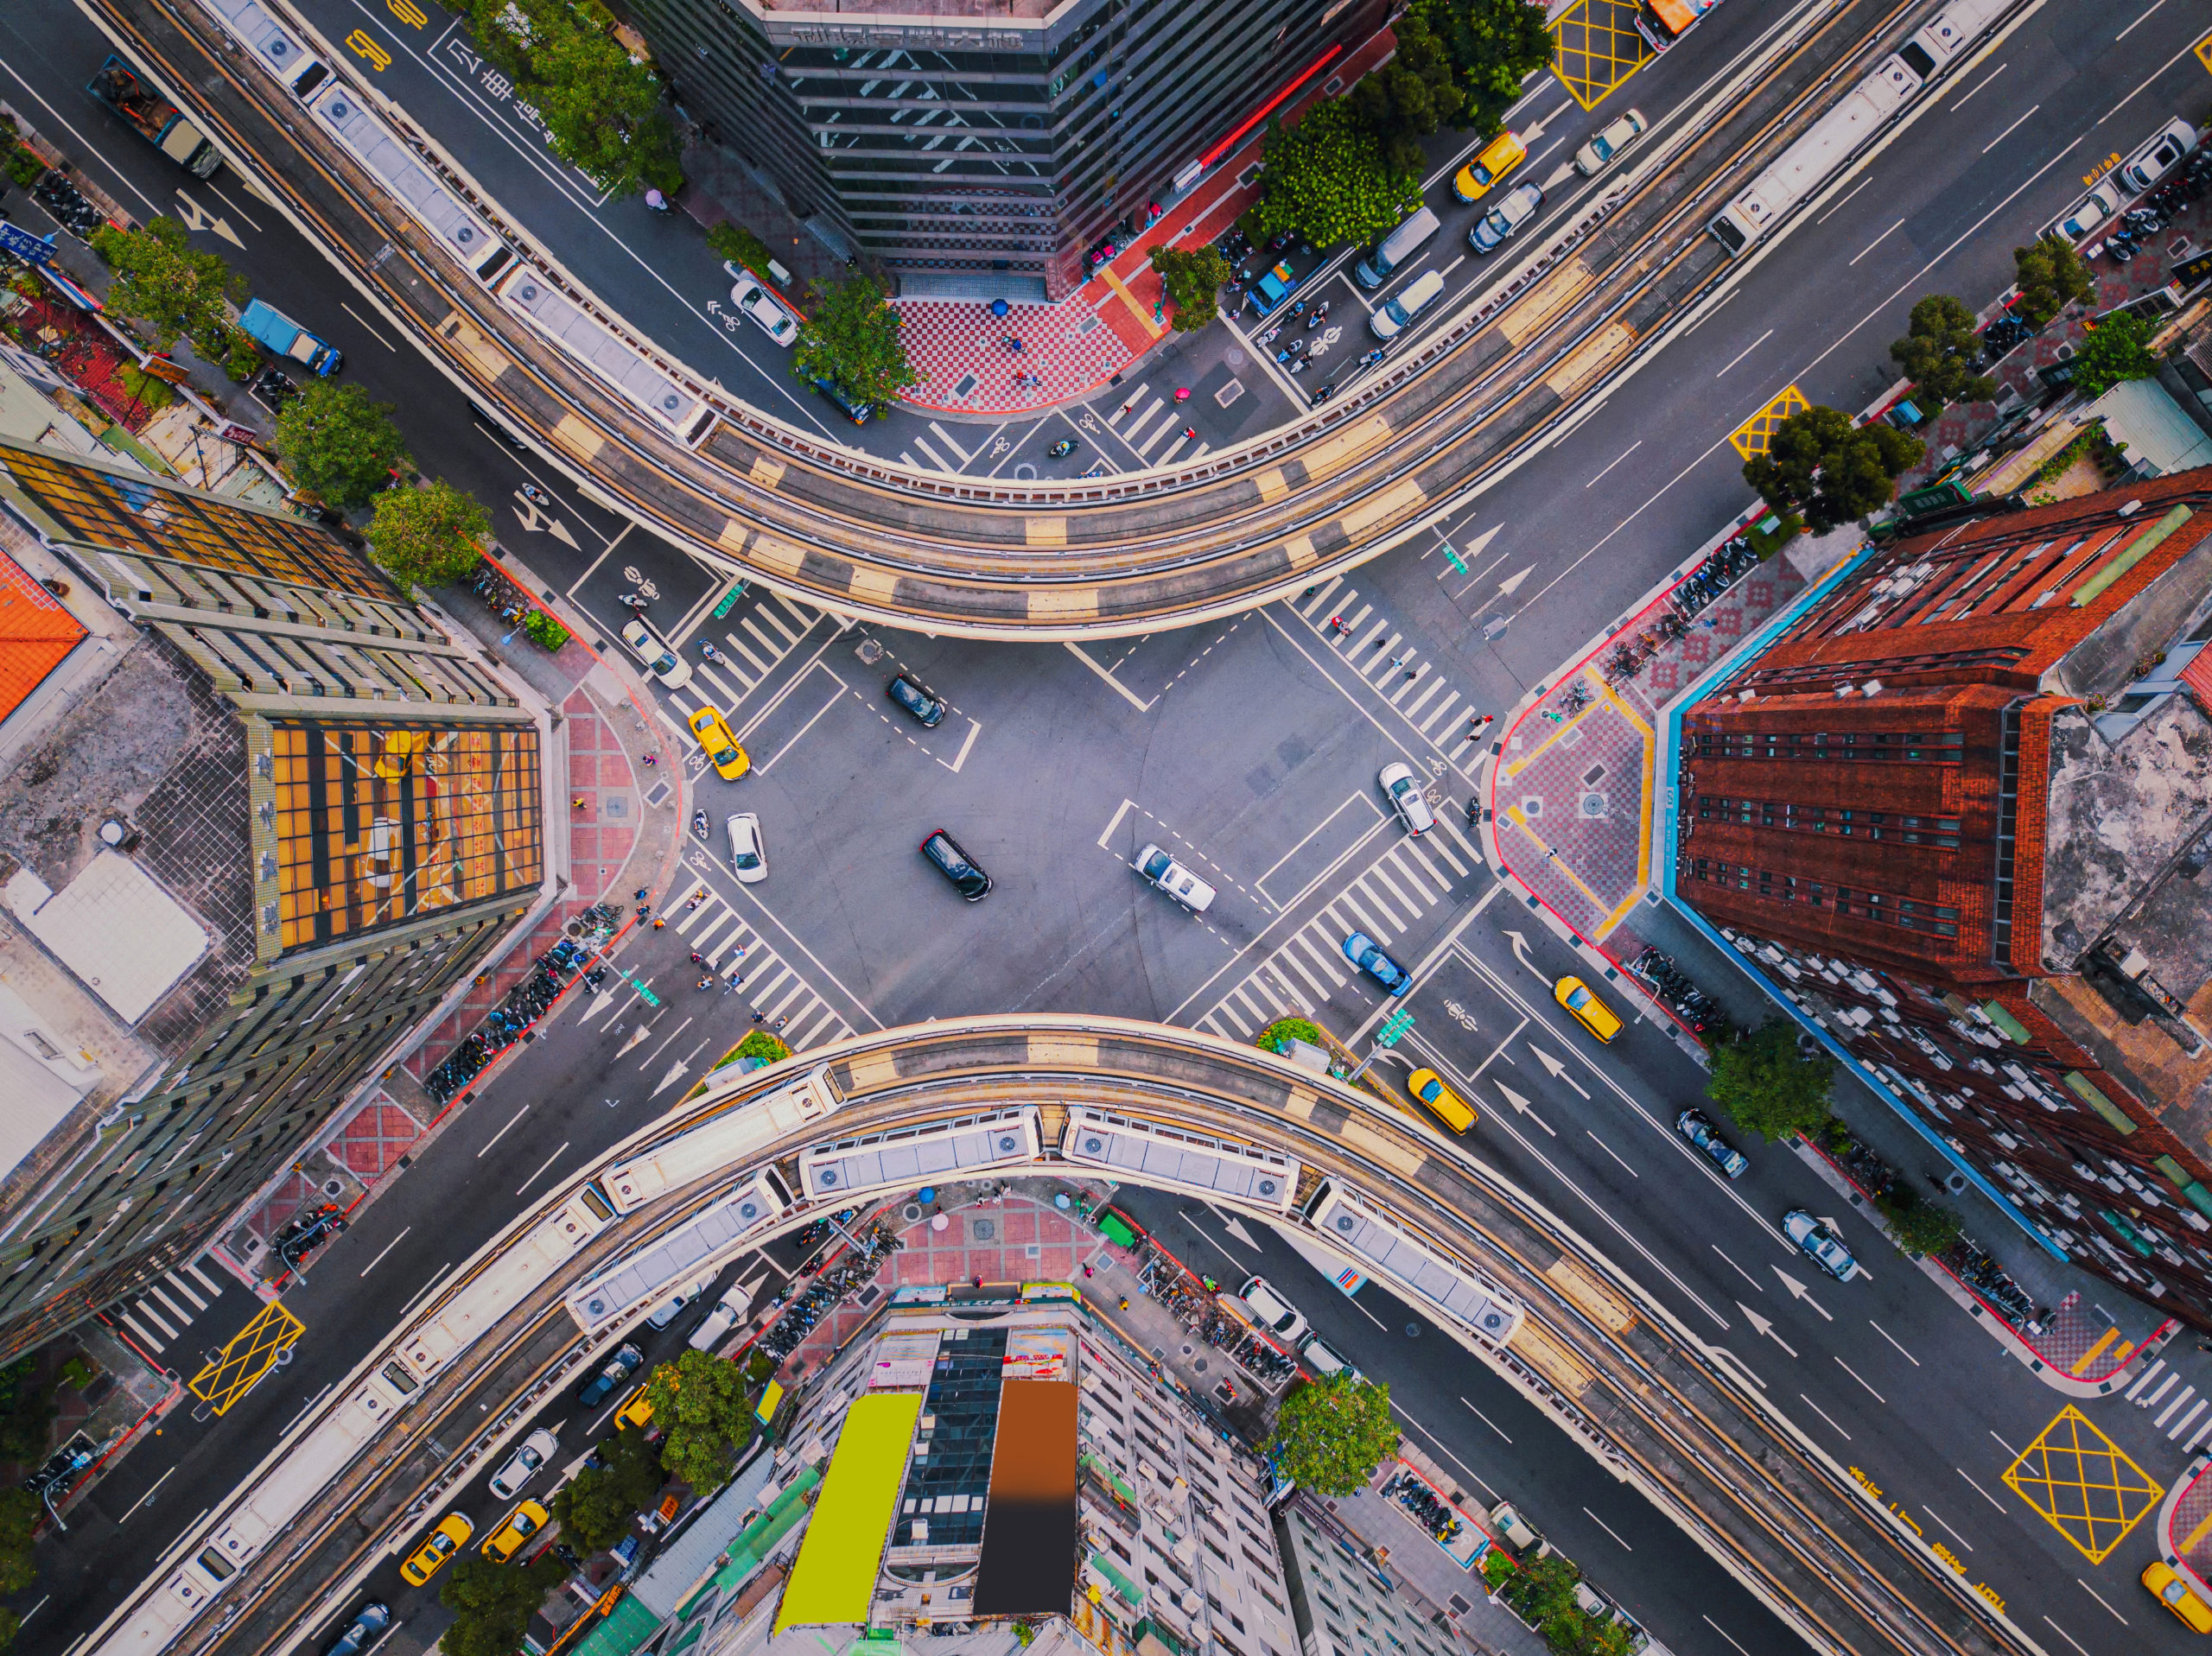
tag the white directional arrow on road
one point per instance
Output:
(1521, 954)
(1554, 1066)
(676, 1073)
(1799, 1290)
(636, 1035)
(1523, 1106)
(1229, 1223)
(196, 217)
(1765, 1328)
(533, 521)
(1511, 584)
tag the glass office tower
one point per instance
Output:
(985, 148)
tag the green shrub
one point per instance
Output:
(740, 246)
(1283, 1030)
(23, 166)
(544, 631)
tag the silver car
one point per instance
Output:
(660, 661)
(522, 1466)
(1604, 146)
(1402, 788)
(1819, 1244)
(2092, 209)
(1281, 1317)
(1492, 230)
(1171, 877)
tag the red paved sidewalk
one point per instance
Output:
(1080, 342)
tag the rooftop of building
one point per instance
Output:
(912, 12)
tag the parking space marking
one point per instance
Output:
(251, 1352)
(2084, 1484)
(1754, 437)
(1599, 48)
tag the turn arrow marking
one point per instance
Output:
(1523, 1106)
(1521, 954)
(1765, 1328)
(676, 1073)
(1799, 1290)
(1557, 1070)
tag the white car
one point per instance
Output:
(2165, 151)
(665, 1312)
(1604, 146)
(1280, 1317)
(1173, 878)
(537, 1449)
(1492, 230)
(2092, 209)
(749, 298)
(660, 661)
(748, 855)
(1323, 1360)
(1819, 1244)
(720, 1321)
(1402, 788)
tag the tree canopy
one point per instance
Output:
(428, 535)
(1939, 352)
(1494, 45)
(851, 339)
(1823, 468)
(1331, 1434)
(338, 444)
(602, 107)
(596, 1506)
(2051, 276)
(1769, 1086)
(1327, 178)
(177, 291)
(2117, 348)
(704, 1405)
(492, 1602)
(27, 1412)
(1411, 96)
(1192, 282)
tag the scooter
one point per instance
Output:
(536, 496)
(699, 823)
(1062, 448)
(708, 650)
(632, 601)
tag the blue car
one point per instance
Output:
(619, 1368)
(1367, 954)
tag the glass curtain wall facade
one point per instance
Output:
(984, 150)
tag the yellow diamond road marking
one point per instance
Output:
(1598, 49)
(249, 1353)
(2083, 1483)
(2204, 51)
(1756, 435)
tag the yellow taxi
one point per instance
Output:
(450, 1535)
(636, 1410)
(1586, 1008)
(1502, 155)
(2171, 1590)
(729, 760)
(1427, 1087)
(522, 1523)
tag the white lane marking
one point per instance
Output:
(388, 1247)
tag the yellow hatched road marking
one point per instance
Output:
(248, 1355)
(2084, 1484)
(2204, 51)
(1756, 435)
(1598, 49)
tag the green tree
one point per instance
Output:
(594, 1507)
(1542, 1589)
(603, 110)
(1828, 471)
(1924, 1226)
(703, 1404)
(492, 1602)
(175, 289)
(1495, 45)
(1411, 96)
(2052, 276)
(740, 246)
(338, 444)
(26, 1413)
(1192, 282)
(2117, 348)
(1938, 351)
(1768, 1086)
(1327, 178)
(428, 535)
(1331, 1434)
(852, 339)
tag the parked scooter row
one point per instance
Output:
(514, 1019)
(503, 598)
(1694, 1007)
(68, 205)
(1423, 1504)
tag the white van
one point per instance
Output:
(1395, 248)
(1420, 294)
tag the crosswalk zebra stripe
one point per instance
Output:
(201, 1277)
(2181, 1425)
(1367, 894)
(145, 1338)
(155, 1317)
(167, 1304)
(178, 1282)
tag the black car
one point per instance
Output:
(374, 1618)
(624, 1364)
(946, 856)
(911, 695)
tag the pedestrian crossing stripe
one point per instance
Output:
(157, 1317)
(772, 986)
(1755, 436)
(1410, 682)
(771, 630)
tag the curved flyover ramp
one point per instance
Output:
(748, 1157)
(1562, 321)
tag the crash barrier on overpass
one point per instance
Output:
(754, 1155)
(987, 557)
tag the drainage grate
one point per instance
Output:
(1593, 805)
(966, 386)
(1593, 775)
(1459, 1606)
(659, 792)
(1229, 393)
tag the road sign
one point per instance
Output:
(729, 600)
(645, 994)
(32, 249)
(1454, 559)
(1393, 1027)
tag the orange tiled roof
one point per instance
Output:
(35, 633)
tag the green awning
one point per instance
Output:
(627, 1626)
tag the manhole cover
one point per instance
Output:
(1229, 393)
(1087, 324)
(1187, 1348)
(868, 650)
(968, 383)
(983, 1229)
(660, 792)
(1413, 1330)
(1025, 473)
(1532, 806)
(1198, 1363)
(1233, 357)
(1593, 805)
(614, 805)
(912, 1212)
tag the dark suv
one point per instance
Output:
(967, 876)
(619, 1368)
(910, 694)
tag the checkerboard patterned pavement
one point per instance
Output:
(1570, 788)
(1071, 348)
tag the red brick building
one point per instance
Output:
(1961, 809)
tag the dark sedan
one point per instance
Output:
(966, 874)
(619, 1368)
(911, 695)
